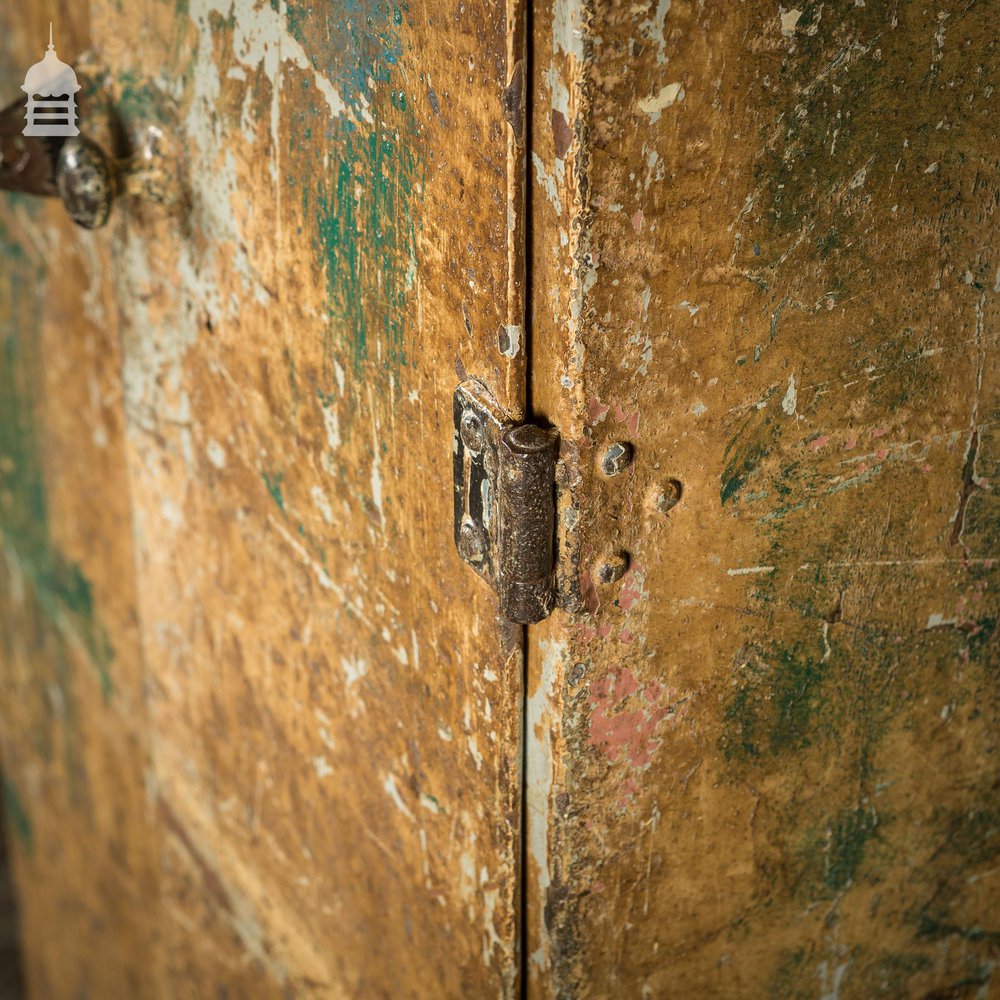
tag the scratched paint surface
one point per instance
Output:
(765, 252)
(331, 782)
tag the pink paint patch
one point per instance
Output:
(596, 410)
(637, 222)
(630, 789)
(624, 720)
(862, 469)
(653, 692)
(588, 633)
(820, 442)
(631, 419)
(631, 592)
(850, 443)
(927, 468)
(880, 432)
(882, 454)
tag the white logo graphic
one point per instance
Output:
(51, 86)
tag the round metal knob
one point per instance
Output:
(88, 176)
(85, 182)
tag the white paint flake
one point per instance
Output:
(322, 768)
(567, 34)
(547, 182)
(665, 97)
(789, 20)
(513, 345)
(790, 401)
(331, 421)
(749, 570)
(354, 669)
(539, 723)
(216, 453)
(322, 503)
(393, 792)
(653, 29)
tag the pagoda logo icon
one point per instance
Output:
(51, 87)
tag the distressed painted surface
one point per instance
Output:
(764, 763)
(73, 735)
(325, 774)
(75, 752)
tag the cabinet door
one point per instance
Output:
(764, 761)
(262, 736)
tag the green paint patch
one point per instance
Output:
(746, 452)
(17, 816)
(972, 836)
(889, 974)
(293, 381)
(355, 44)
(775, 701)
(849, 834)
(794, 977)
(362, 200)
(140, 101)
(936, 928)
(273, 480)
(841, 699)
(366, 231)
(62, 590)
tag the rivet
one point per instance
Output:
(666, 496)
(471, 542)
(473, 435)
(616, 458)
(611, 567)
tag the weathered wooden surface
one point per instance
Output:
(766, 253)
(73, 736)
(75, 750)
(285, 746)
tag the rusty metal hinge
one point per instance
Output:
(505, 503)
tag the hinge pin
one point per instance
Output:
(505, 503)
(527, 519)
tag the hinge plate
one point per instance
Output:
(504, 476)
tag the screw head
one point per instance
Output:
(471, 542)
(616, 458)
(667, 496)
(472, 430)
(611, 567)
